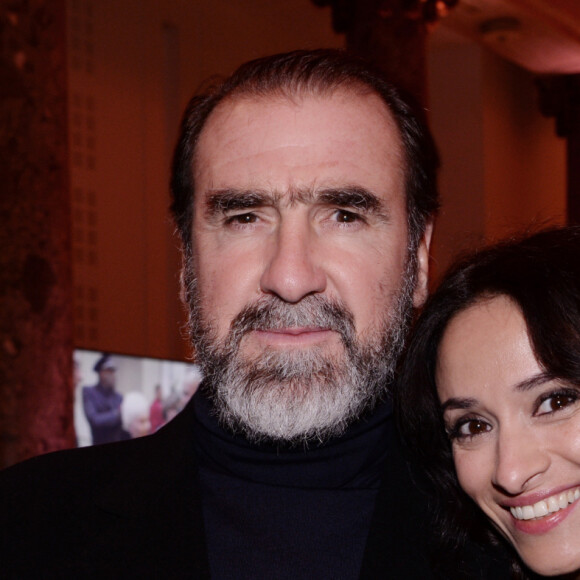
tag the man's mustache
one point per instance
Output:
(313, 311)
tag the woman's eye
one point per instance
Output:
(556, 402)
(468, 428)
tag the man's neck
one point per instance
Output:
(351, 460)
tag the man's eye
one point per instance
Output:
(242, 219)
(346, 217)
(556, 402)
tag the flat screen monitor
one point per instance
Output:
(164, 386)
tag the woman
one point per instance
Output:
(489, 399)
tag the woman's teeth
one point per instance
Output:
(547, 506)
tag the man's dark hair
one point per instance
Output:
(303, 73)
(541, 275)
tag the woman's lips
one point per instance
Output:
(551, 504)
(542, 515)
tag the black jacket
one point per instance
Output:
(132, 510)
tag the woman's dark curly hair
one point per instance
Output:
(540, 273)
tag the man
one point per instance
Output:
(102, 403)
(304, 193)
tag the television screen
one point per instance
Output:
(120, 397)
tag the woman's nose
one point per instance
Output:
(520, 459)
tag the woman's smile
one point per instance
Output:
(542, 508)
(515, 433)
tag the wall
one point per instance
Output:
(503, 166)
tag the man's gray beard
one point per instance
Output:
(297, 395)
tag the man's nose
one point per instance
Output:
(293, 270)
(520, 460)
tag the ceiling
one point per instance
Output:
(542, 36)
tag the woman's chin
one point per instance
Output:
(555, 567)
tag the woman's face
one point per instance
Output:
(515, 434)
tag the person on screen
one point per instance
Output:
(156, 412)
(135, 415)
(102, 403)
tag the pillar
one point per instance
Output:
(35, 267)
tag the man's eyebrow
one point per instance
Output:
(220, 201)
(225, 200)
(458, 403)
(353, 197)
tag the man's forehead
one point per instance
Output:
(359, 100)
(339, 135)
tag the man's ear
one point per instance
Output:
(421, 289)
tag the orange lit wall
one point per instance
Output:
(503, 165)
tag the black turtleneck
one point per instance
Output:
(289, 512)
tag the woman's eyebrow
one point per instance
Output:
(533, 382)
(525, 385)
(458, 403)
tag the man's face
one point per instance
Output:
(300, 269)
(107, 378)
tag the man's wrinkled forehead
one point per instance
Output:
(357, 94)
